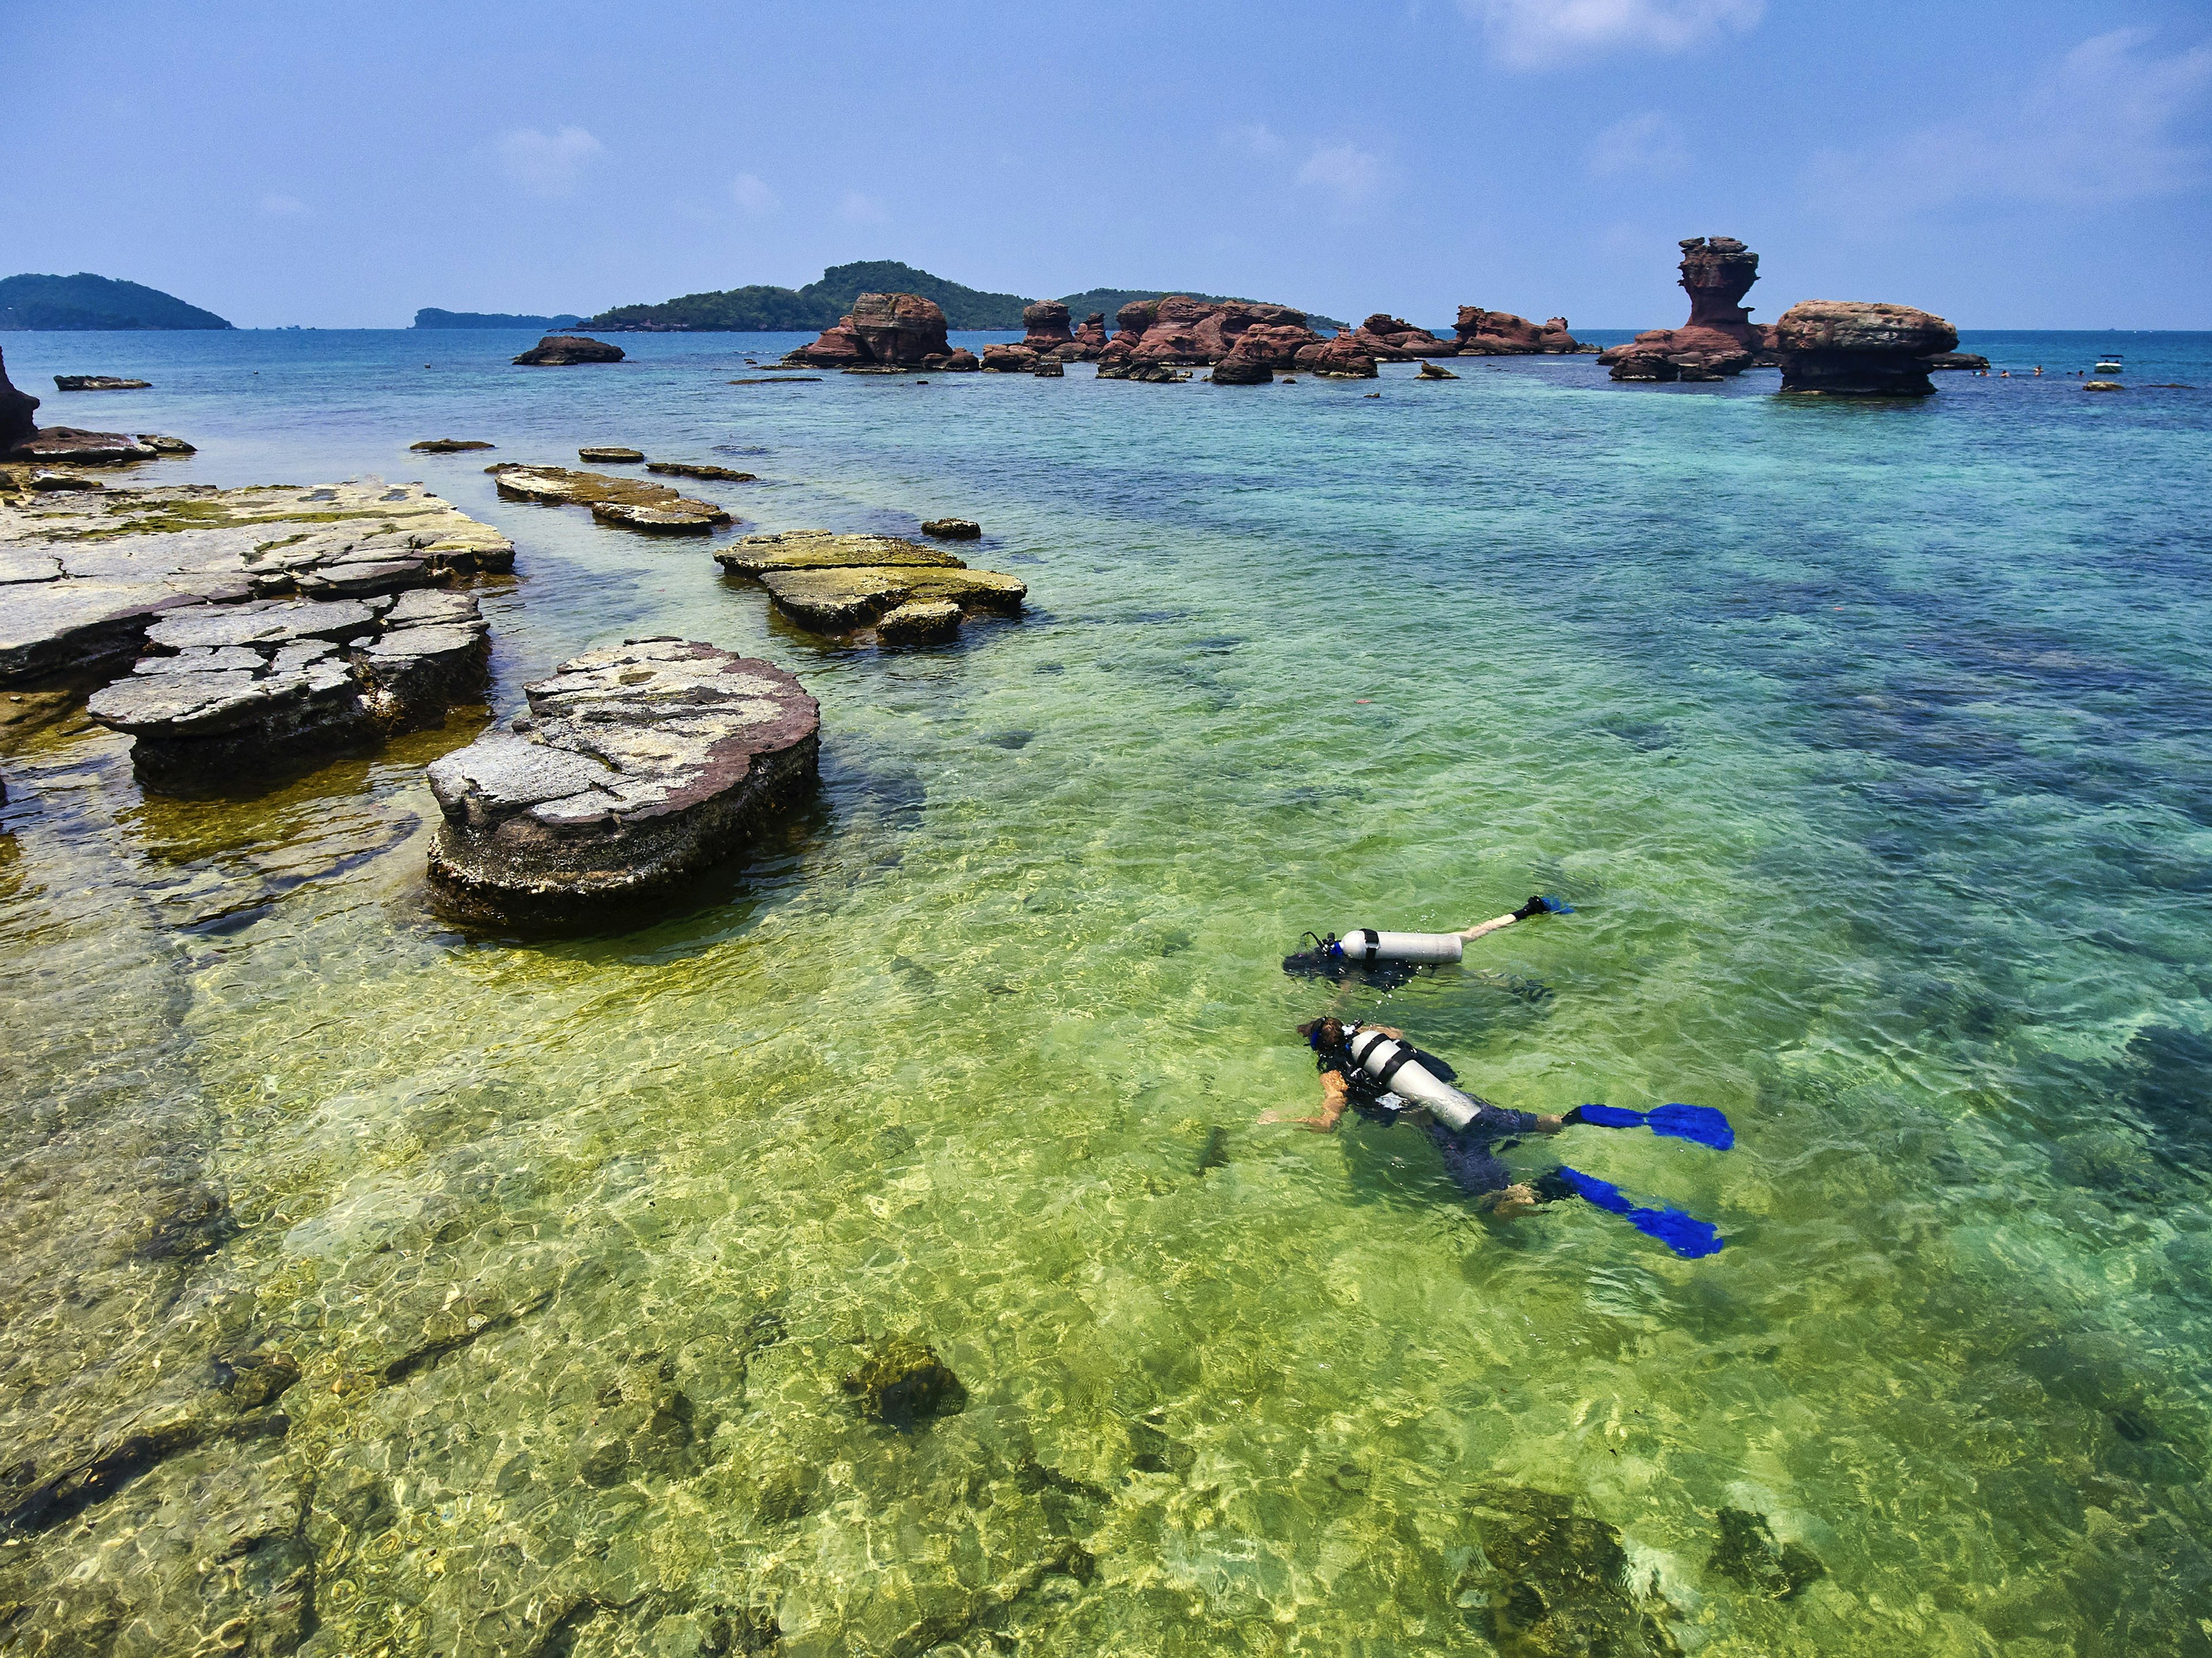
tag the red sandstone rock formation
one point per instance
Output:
(1719, 338)
(1501, 334)
(1845, 347)
(1009, 359)
(891, 330)
(1249, 363)
(1045, 326)
(1179, 330)
(1087, 341)
(1341, 358)
(16, 425)
(1391, 339)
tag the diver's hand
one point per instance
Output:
(1311, 1125)
(1516, 1199)
(1550, 1125)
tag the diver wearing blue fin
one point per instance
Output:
(1373, 1070)
(1397, 955)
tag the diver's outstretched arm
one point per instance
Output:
(1335, 1098)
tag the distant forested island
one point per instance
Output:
(85, 302)
(760, 309)
(430, 317)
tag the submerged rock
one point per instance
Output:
(1845, 347)
(447, 445)
(692, 468)
(637, 766)
(903, 1383)
(654, 508)
(1746, 1550)
(230, 690)
(835, 584)
(562, 350)
(98, 382)
(1548, 1584)
(87, 575)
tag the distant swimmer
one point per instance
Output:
(1372, 1069)
(1394, 956)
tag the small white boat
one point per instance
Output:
(2110, 364)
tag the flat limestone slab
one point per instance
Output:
(637, 765)
(631, 503)
(839, 600)
(85, 576)
(824, 549)
(226, 691)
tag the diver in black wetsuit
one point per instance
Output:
(1466, 1152)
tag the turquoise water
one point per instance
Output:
(1871, 743)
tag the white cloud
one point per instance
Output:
(1538, 33)
(747, 191)
(2101, 126)
(283, 207)
(1255, 139)
(1348, 174)
(1650, 144)
(856, 209)
(548, 164)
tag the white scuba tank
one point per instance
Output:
(1365, 945)
(1391, 1063)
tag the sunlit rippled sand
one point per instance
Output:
(1870, 745)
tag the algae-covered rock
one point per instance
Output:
(824, 549)
(920, 622)
(952, 529)
(616, 452)
(630, 503)
(839, 600)
(1746, 1552)
(1550, 1583)
(903, 1383)
(692, 468)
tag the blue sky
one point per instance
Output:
(2009, 163)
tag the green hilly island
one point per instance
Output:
(85, 302)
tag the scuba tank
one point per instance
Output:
(1364, 946)
(1396, 1066)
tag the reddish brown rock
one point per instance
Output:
(1719, 338)
(1480, 333)
(16, 421)
(1009, 359)
(1341, 358)
(1045, 326)
(1392, 339)
(1247, 364)
(961, 362)
(561, 350)
(1845, 347)
(885, 330)
(1088, 341)
(1180, 330)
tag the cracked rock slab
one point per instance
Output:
(838, 584)
(88, 575)
(227, 691)
(637, 766)
(630, 503)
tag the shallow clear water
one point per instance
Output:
(1871, 743)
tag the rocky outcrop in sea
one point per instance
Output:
(626, 503)
(1843, 348)
(1719, 338)
(1088, 341)
(1341, 358)
(99, 383)
(1393, 339)
(564, 350)
(17, 422)
(1479, 333)
(636, 767)
(895, 330)
(1182, 332)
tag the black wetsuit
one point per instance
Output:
(1466, 1152)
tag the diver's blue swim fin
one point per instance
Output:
(1702, 1123)
(1686, 1234)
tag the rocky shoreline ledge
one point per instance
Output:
(842, 584)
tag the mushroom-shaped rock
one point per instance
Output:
(638, 766)
(16, 423)
(1845, 347)
(1719, 338)
(1045, 326)
(562, 350)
